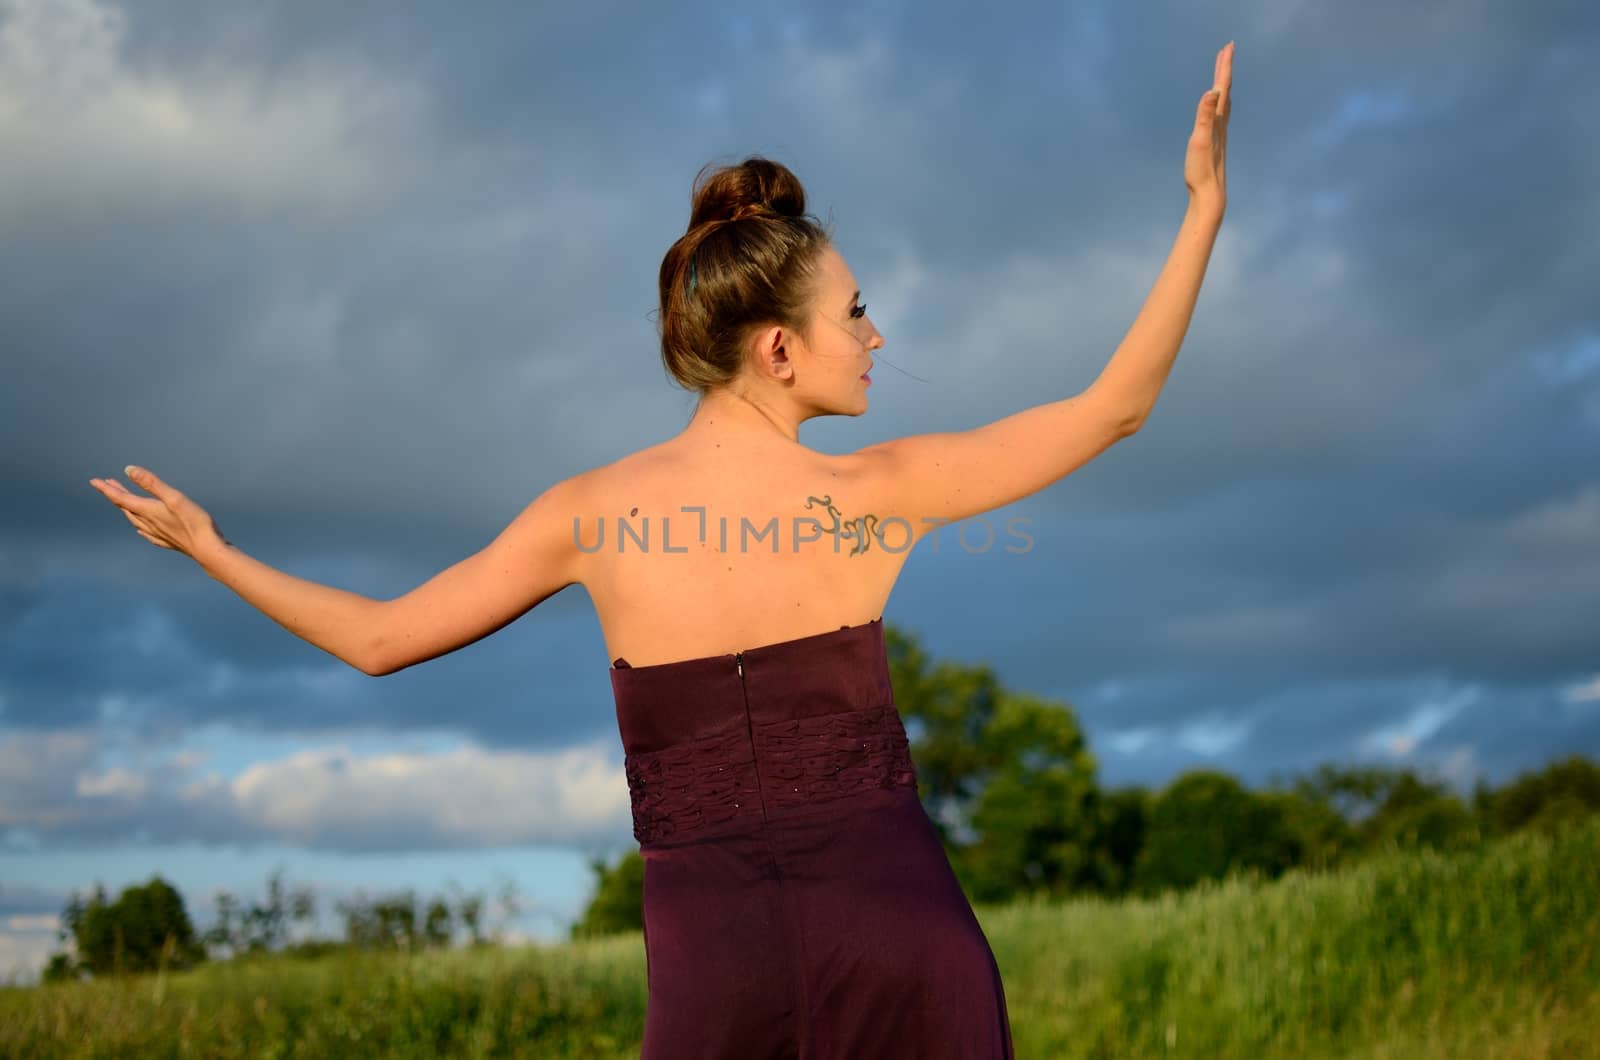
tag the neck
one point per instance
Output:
(734, 411)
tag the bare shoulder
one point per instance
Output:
(931, 479)
(875, 476)
(617, 477)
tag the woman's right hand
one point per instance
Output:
(169, 520)
(1205, 166)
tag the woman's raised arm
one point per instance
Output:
(936, 478)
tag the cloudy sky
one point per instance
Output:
(365, 279)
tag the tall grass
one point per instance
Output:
(1490, 953)
(1493, 952)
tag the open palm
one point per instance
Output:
(1205, 165)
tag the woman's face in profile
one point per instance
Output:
(843, 339)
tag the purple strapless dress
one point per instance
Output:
(797, 900)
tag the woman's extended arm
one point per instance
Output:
(339, 622)
(1138, 369)
(532, 559)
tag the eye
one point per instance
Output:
(859, 311)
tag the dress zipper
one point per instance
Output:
(738, 658)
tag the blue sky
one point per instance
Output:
(366, 281)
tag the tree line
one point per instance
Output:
(147, 928)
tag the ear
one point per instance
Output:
(772, 352)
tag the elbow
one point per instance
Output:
(372, 667)
(374, 658)
(381, 660)
(1125, 412)
(374, 662)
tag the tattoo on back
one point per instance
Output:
(858, 530)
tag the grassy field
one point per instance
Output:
(1494, 953)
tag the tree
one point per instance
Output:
(145, 929)
(1354, 792)
(1321, 834)
(1563, 791)
(1007, 778)
(401, 921)
(396, 921)
(947, 710)
(437, 924)
(61, 968)
(1205, 824)
(260, 927)
(1120, 819)
(618, 902)
(1420, 813)
(1034, 813)
(469, 912)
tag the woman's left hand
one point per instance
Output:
(167, 520)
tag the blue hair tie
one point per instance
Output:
(691, 276)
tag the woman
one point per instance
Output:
(797, 899)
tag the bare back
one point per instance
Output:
(787, 546)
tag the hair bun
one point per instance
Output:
(756, 187)
(752, 209)
(721, 282)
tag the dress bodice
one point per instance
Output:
(726, 743)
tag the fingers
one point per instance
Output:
(1223, 81)
(138, 524)
(148, 480)
(143, 530)
(141, 512)
(127, 500)
(117, 494)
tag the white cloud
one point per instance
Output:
(114, 783)
(1207, 736)
(468, 796)
(1132, 741)
(1402, 739)
(326, 797)
(1214, 735)
(23, 956)
(1583, 692)
(37, 777)
(83, 130)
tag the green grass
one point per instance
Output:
(1491, 953)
